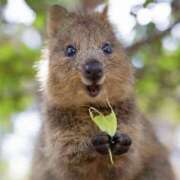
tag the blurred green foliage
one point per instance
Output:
(157, 81)
(16, 72)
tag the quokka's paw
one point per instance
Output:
(120, 143)
(101, 143)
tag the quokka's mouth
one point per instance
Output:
(93, 90)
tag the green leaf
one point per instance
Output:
(106, 123)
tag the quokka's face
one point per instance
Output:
(86, 62)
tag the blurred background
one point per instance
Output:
(148, 29)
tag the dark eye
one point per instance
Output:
(107, 48)
(70, 51)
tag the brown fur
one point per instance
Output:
(64, 150)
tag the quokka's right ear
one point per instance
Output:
(56, 15)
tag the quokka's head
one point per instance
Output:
(86, 62)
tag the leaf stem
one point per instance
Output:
(110, 156)
(91, 109)
(109, 104)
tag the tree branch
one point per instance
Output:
(175, 6)
(148, 40)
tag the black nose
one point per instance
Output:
(93, 70)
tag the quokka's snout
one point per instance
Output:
(93, 76)
(93, 70)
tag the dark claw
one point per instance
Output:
(101, 143)
(118, 149)
(120, 143)
(102, 149)
(122, 139)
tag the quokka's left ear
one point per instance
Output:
(57, 14)
(104, 14)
